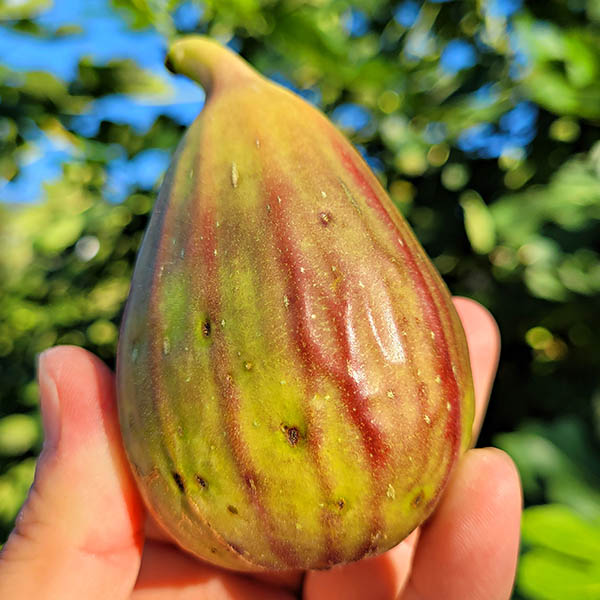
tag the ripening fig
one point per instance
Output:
(293, 381)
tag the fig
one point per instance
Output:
(293, 381)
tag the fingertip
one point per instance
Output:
(83, 406)
(80, 527)
(481, 328)
(474, 532)
(499, 470)
(483, 340)
(61, 370)
(484, 490)
(474, 310)
(62, 362)
(49, 402)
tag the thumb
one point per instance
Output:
(79, 533)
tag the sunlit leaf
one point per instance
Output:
(557, 461)
(558, 528)
(18, 434)
(547, 575)
(479, 224)
(22, 9)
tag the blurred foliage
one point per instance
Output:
(563, 557)
(481, 118)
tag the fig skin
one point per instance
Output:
(293, 380)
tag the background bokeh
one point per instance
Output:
(482, 119)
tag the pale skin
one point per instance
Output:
(83, 533)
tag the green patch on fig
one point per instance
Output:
(293, 381)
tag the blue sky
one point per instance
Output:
(105, 37)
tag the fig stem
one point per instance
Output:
(207, 62)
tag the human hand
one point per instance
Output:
(81, 533)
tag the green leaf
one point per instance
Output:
(563, 75)
(557, 527)
(14, 485)
(23, 9)
(61, 234)
(557, 460)
(18, 434)
(479, 223)
(545, 575)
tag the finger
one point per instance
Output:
(167, 572)
(289, 580)
(469, 547)
(78, 534)
(378, 578)
(483, 339)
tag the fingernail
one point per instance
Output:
(49, 402)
